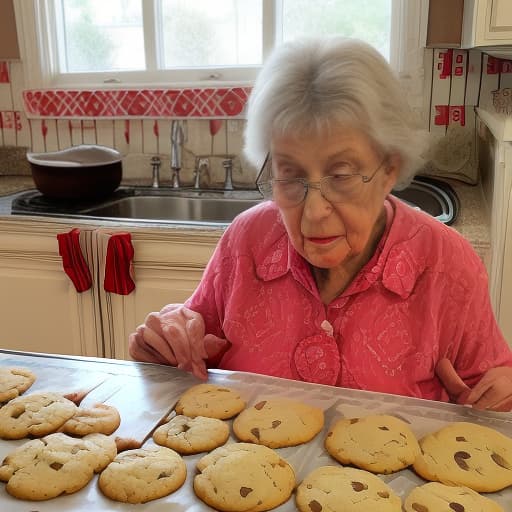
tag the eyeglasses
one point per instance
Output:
(287, 193)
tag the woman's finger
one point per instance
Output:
(487, 394)
(454, 385)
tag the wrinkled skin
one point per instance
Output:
(175, 336)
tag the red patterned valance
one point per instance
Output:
(136, 103)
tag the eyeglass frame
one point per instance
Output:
(317, 185)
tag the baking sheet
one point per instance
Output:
(424, 416)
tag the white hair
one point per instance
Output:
(314, 84)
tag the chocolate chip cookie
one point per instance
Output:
(278, 422)
(466, 454)
(211, 401)
(192, 435)
(337, 489)
(242, 476)
(377, 443)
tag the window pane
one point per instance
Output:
(369, 20)
(102, 35)
(204, 33)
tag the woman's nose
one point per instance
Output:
(316, 206)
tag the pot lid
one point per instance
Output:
(84, 155)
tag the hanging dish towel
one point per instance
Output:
(118, 264)
(73, 260)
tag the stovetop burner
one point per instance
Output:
(34, 202)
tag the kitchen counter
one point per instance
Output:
(472, 222)
(145, 394)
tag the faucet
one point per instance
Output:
(155, 166)
(202, 164)
(228, 167)
(177, 138)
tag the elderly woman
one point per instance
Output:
(334, 280)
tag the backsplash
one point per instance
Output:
(137, 122)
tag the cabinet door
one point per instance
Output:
(167, 267)
(487, 23)
(40, 309)
(8, 37)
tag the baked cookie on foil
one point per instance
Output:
(346, 489)
(57, 464)
(466, 454)
(101, 419)
(14, 382)
(278, 422)
(211, 401)
(143, 474)
(436, 497)
(378, 443)
(192, 435)
(240, 477)
(34, 415)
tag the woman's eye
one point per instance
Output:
(287, 173)
(342, 168)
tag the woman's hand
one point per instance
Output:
(175, 336)
(493, 391)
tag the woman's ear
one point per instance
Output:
(392, 170)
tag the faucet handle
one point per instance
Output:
(155, 167)
(228, 167)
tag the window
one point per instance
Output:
(184, 42)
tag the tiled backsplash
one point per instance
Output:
(137, 122)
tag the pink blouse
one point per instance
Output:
(423, 296)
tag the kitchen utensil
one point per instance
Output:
(85, 171)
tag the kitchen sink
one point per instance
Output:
(217, 207)
(435, 197)
(195, 209)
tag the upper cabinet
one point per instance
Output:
(444, 28)
(488, 23)
(9, 49)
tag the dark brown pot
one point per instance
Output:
(85, 171)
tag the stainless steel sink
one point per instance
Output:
(195, 209)
(193, 206)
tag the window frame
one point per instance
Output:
(36, 22)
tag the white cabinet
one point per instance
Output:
(495, 155)
(487, 23)
(40, 309)
(167, 267)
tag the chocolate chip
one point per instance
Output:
(457, 507)
(244, 491)
(383, 428)
(383, 494)
(459, 458)
(330, 434)
(314, 506)
(255, 432)
(461, 439)
(163, 474)
(358, 486)
(419, 508)
(260, 405)
(354, 420)
(276, 423)
(56, 465)
(184, 428)
(500, 461)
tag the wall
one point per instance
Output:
(138, 123)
